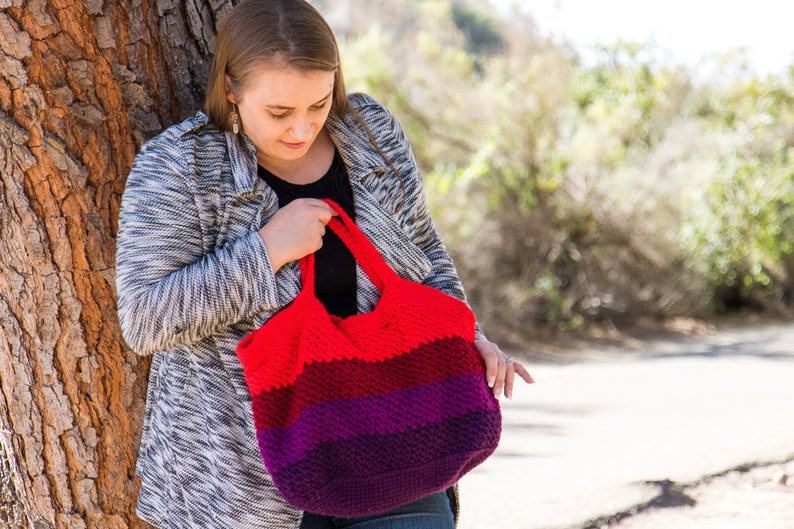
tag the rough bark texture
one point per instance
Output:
(82, 84)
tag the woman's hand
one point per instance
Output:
(500, 369)
(296, 230)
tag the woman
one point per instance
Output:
(215, 213)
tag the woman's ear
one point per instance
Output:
(227, 84)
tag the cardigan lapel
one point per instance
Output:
(365, 167)
(252, 203)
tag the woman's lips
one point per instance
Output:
(294, 146)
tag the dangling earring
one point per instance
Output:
(235, 126)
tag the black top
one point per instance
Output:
(335, 267)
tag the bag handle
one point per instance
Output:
(364, 252)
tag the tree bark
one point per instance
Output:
(82, 84)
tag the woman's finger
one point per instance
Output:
(510, 375)
(325, 211)
(521, 371)
(491, 360)
(499, 384)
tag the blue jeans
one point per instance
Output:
(430, 512)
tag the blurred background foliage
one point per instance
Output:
(575, 193)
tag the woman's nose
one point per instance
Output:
(302, 129)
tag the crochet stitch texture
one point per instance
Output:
(363, 414)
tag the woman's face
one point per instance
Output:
(283, 110)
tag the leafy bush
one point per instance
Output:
(572, 192)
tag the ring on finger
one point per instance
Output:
(509, 359)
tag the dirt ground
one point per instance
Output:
(754, 498)
(757, 496)
(633, 335)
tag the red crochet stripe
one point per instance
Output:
(278, 408)
(378, 335)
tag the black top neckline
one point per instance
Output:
(330, 174)
(335, 267)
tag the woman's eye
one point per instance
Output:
(278, 116)
(319, 107)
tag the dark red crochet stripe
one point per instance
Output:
(342, 379)
(374, 459)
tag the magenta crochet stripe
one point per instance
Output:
(430, 361)
(338, 420)
(367, 470)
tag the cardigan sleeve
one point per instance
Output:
(171, 292)
(443, 274)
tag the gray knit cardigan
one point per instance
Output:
(193, 278)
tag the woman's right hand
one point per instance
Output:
(295, 230)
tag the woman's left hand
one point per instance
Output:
(500, 369)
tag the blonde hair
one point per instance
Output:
(259, 33)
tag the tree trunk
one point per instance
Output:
(82, 84)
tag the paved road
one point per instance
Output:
(584, 441)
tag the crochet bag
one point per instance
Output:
(360, 415)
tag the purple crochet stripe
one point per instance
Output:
(378, 487)
(337, 420)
